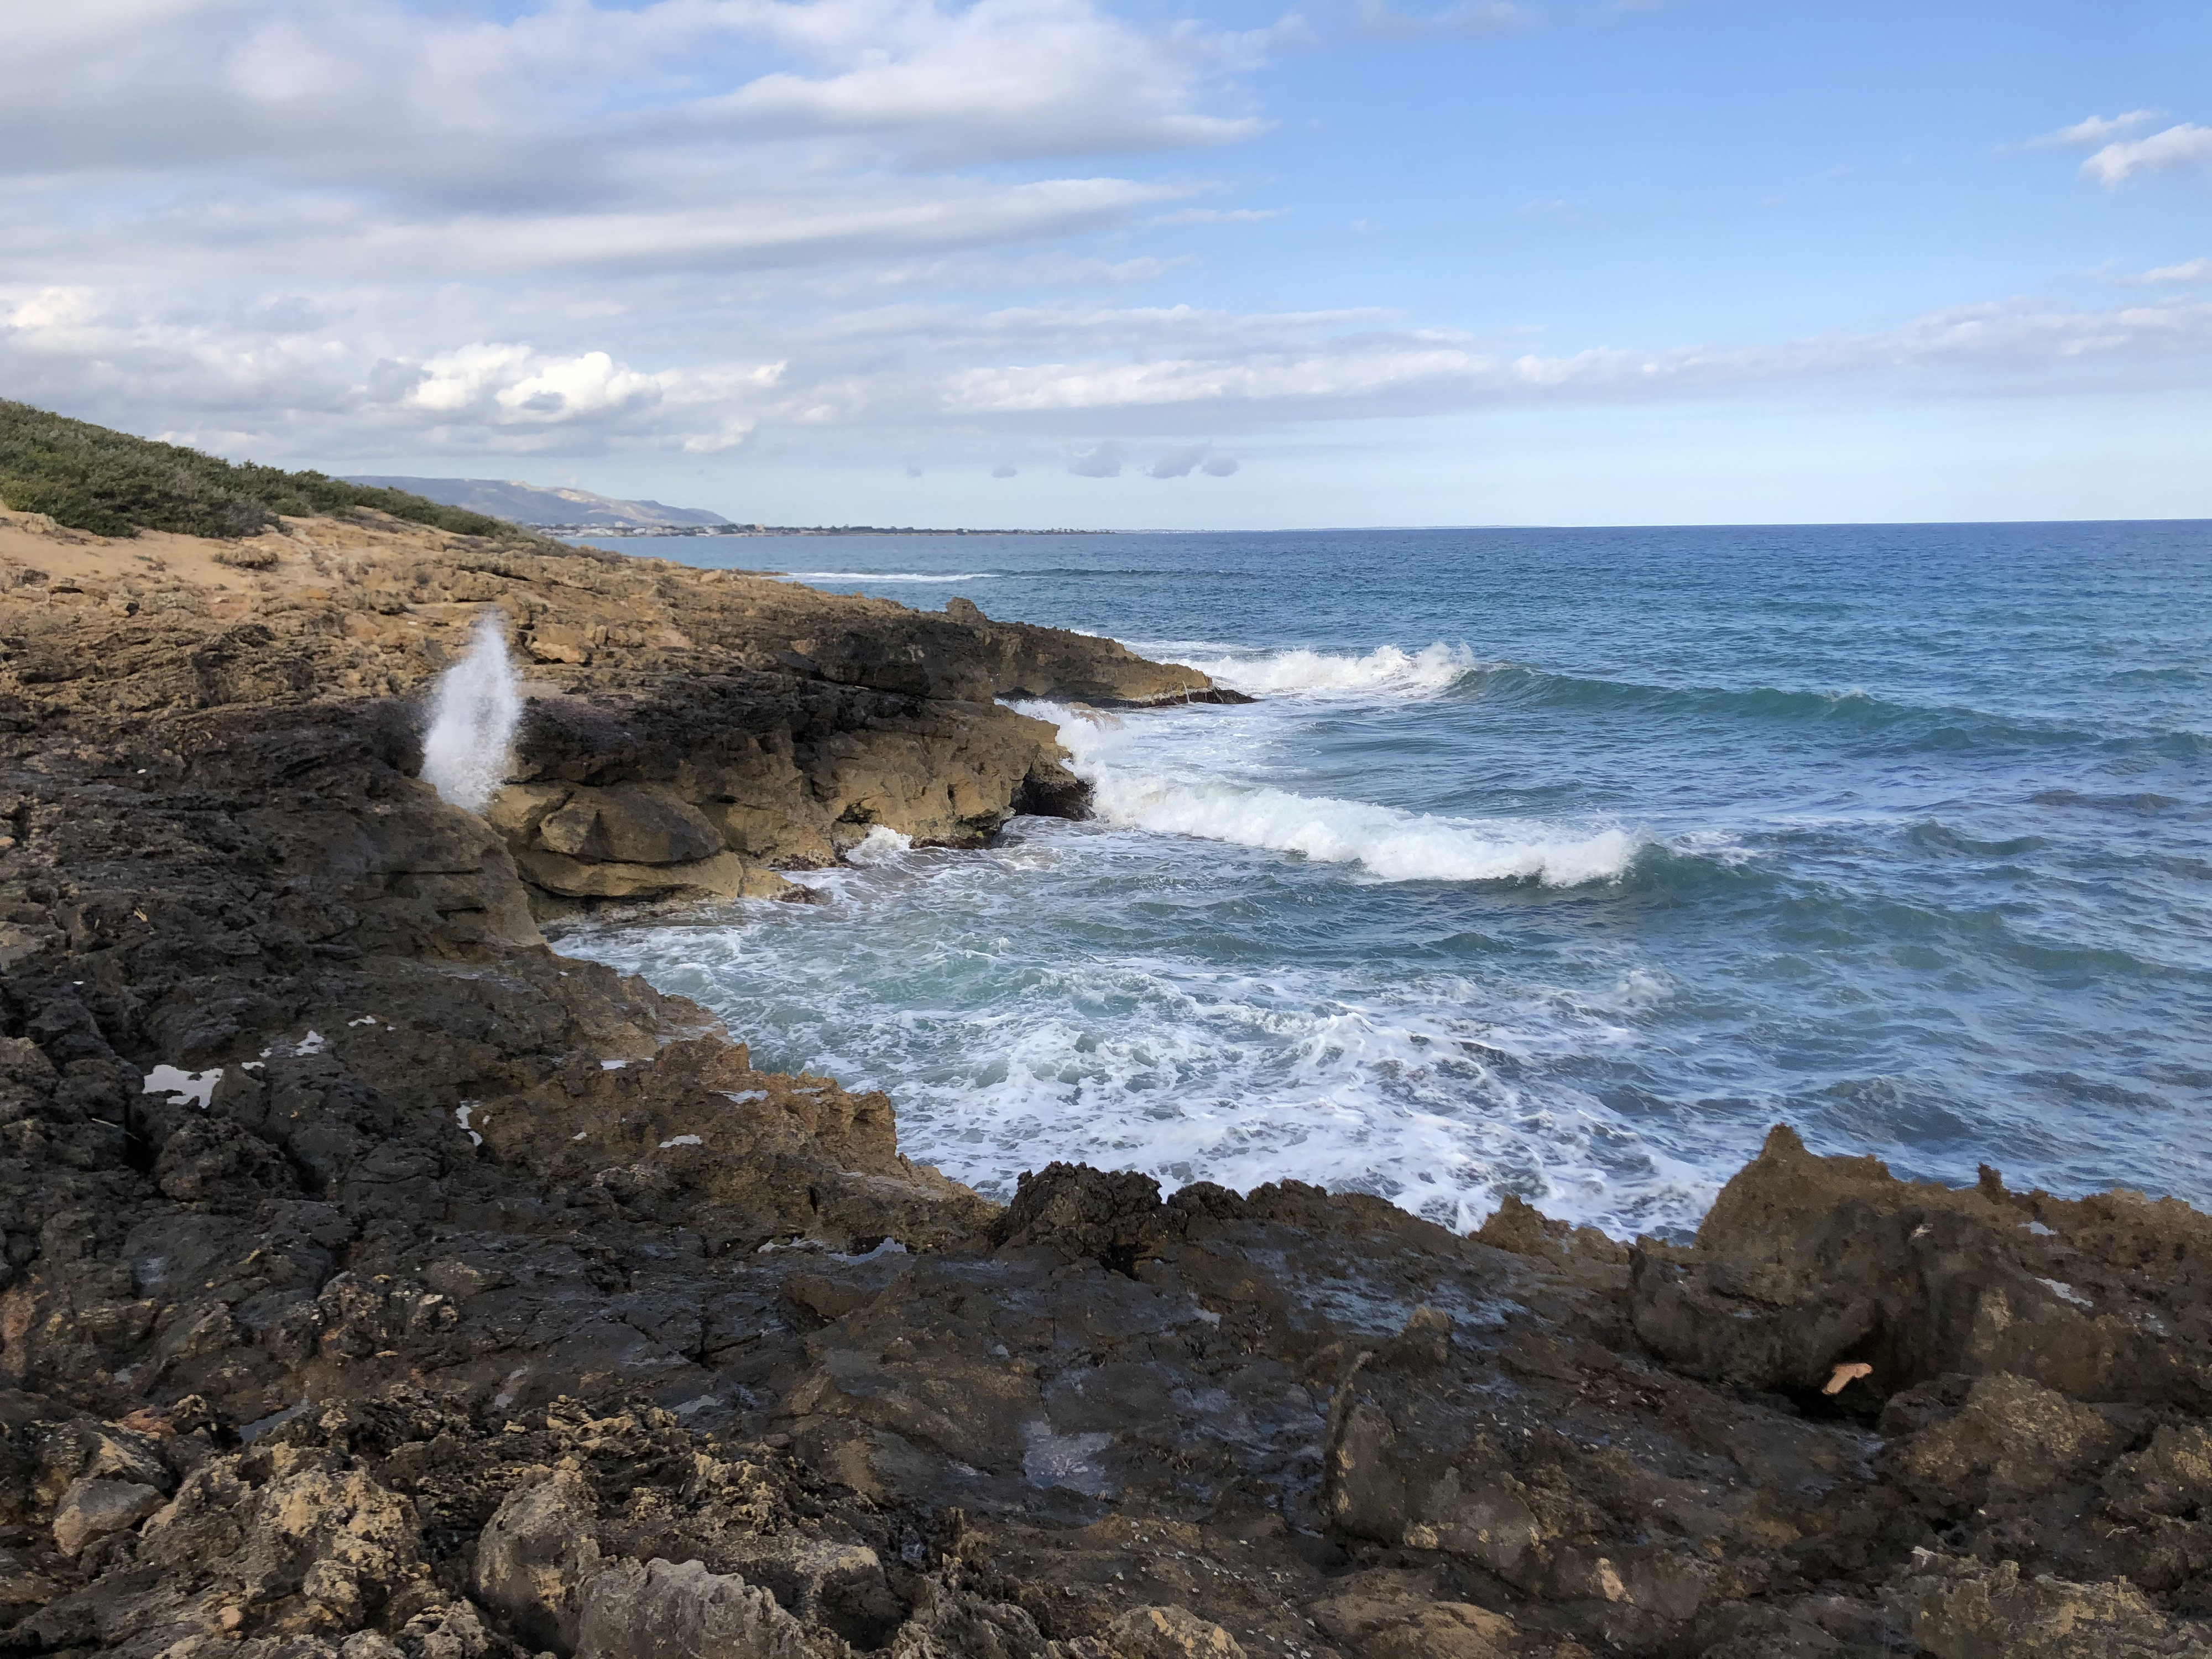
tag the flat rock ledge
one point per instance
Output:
(375, 1282)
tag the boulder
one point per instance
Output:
(2012, 1439)
(724, 876)
(96, 1506)
(536, 1557)
(629, 824)
(668, 1610)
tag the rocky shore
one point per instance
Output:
(376, 1281)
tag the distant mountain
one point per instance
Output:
(534, 504)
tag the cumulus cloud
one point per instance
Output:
(1004, 470)
(1220, 466)
(1102, 462)
(2184, 145)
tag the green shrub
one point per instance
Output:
(111, 484)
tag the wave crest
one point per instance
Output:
(1389, 669)
(1388, 842)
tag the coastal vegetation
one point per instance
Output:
(90, 478)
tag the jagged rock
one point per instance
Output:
(466, 1268)
(664, 1610)
(1805, 1263)
(1083, 1212)
(1445, 1629)
(2011, 1439)
(1169, 1633)
(537, 1558)
(1971, 1610)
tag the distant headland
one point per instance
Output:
(562, 511)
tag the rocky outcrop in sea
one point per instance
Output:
(377, 1281)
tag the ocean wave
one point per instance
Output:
(1388, 670)
(883, 576)
(1386, 842)
(1005, 1058)
(1918, 727)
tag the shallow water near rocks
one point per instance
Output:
(1554, 862)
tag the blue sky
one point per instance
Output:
(1032, 262)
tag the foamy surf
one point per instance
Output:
(1118, 760)
(1009, 1044)
(884, 576)
(1386, 842)
(1388, 670)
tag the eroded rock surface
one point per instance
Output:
(445, 1298)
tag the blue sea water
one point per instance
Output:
(1554, 862)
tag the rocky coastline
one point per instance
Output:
(376, 1281)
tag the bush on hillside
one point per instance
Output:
(111, 484)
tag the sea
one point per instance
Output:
(1561, 862)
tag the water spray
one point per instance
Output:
(473, 716)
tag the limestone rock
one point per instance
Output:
(537, 1557)
(1445, 1629)
(1169, 1633)
(629, 824)
(2012, 1439)
(723, 875)
(1970, 1610)
(664, 1610)
(96, 1506)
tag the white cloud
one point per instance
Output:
(2190, 270)
(343, 385)
(1403, 371)
(2096, 129)
(2177, 146)
(1182, 462)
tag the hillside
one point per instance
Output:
(540, 504)
(111, 484)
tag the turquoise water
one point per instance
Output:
(1556, 862)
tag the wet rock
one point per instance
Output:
(1083, 1212)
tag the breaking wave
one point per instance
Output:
(1129, 789)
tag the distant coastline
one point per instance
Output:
(576, 530)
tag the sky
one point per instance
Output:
(1128, 263)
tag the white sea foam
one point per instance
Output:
(473, 717)
(1134, 784)
(886, 576)
(1005, 1048)
(881, 842)
(1389, 671)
